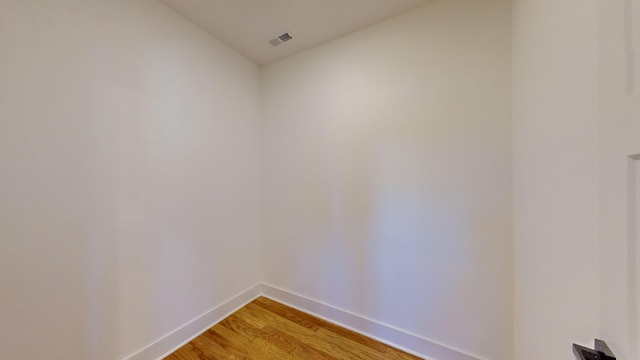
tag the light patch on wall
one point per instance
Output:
(634, 254)
(632, 40)
(415, 233)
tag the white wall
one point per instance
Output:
(556, 167)
(129, 195)
(619, 89)
(388, 174)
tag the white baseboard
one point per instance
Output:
(187, 332)
(411, 343)
(400, 339)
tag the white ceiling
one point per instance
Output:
(248, 25)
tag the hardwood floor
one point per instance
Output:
(266, 330)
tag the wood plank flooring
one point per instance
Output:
(267, 330)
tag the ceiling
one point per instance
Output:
(248, 25)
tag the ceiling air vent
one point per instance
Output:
(280, 39)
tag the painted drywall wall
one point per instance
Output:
(387, 164)
(129, 194)
(619, 89)
(556, 170)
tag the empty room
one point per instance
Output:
(319, 179)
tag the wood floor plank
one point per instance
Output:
(267, 330)
(317, 323)
(343, 340)
(233, 344)
(303, 334)
(287, 312)
(290, 331)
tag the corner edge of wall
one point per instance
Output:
(179, 337)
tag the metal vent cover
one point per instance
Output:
(280, 39)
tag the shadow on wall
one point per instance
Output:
(402, 236)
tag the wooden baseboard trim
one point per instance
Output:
(189, 331)
(400, 339)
